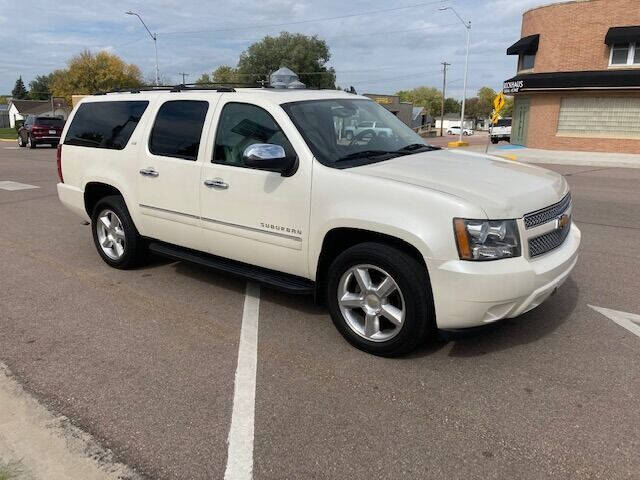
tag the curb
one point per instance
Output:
(8, 139)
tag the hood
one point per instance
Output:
(502, 188)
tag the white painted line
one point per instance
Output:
(240, 441)
(48, 447)
(11, 186)
(630, 321)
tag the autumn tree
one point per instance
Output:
(89, 73)
(305, 55)
(428, 97)
(19, 91)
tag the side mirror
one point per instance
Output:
(269, 157)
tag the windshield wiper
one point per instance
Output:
(413, 147)
(365, 154)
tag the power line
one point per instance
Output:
(299, 22)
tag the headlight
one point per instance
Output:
(486, 239)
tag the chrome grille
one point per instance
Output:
(547, 214)
(548, 241)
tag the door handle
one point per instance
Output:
(217, 183)
(149, 172)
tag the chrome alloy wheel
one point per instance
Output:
(110, 234)
(371, 303)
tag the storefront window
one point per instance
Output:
(620, 53)
(527, 61)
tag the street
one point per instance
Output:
(145, 359)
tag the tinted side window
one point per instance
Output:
(241, 125)
(178, 128)
(105, 124)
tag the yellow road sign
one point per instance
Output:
(495, 116)
(498, 102)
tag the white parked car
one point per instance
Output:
(364, 129)
(455, 130)
(397, 237)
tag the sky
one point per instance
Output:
(377, 46)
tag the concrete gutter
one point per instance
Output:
(48, 447)
(560, 157)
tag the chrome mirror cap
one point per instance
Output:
(263, 151)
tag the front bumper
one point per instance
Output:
(468, 294)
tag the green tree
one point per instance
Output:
(4, 100)
(451, 105)
(485, 101)
(428, 97)
(305, 55)
(222, 74)
(19, 91)
(89, 73)
(40, 87)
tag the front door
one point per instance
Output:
(255, 216)
(169, 172)
(520, 123)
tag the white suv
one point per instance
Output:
(398, 237)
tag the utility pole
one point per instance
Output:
(444, 88)
(184, 75)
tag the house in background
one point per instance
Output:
(19, 109)
(421, 118)
(4, 116)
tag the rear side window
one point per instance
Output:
(178, 128)
(105, 124)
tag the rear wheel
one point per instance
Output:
(20, 140)
(31, 143)
(380, 299)
(495, 140)
(115, 236)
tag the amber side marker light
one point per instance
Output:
(462, 239)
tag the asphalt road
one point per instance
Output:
(145, 359)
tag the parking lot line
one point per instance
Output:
(240, 440)
(630, 321)
(12, 186)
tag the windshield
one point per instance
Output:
(346, 133)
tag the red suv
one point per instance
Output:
(38, 130)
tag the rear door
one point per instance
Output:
(169, 167)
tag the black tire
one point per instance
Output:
(31, 142)
(20, 140)
(413, 281)
(494, 140)
(135, 248)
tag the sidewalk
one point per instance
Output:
(560, 157)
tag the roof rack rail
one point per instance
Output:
(218, 87)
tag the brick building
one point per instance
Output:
(578, 77)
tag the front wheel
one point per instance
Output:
(380, 299)
(114, 234)
(31, 143)
(494, 140)
(20, 140)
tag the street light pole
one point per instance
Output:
(154, 37)
(467, 26)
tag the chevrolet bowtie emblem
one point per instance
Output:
(563, 221)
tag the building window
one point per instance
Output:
(527, 61)
(610, 117)
(625, 54)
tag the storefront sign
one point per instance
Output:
(383, 100)
(512, 87)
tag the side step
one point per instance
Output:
(278, 280)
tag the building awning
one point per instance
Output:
(587, 80)
(527, 45)
(622, 35)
